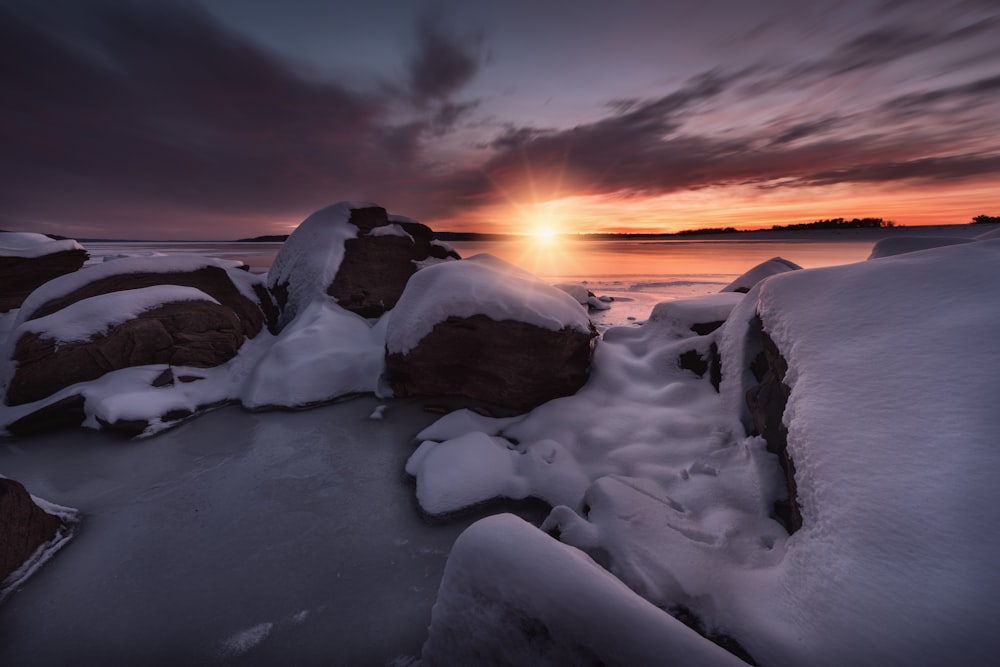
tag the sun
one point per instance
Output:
(545, 233)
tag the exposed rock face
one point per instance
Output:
(377, 256)
(187, 333)
(211, 280)
(20, 276)
(67, 412)
(24, 526)
(508, 363)
(767, 406)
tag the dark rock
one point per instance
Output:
(212, 280)
(20, 276)
(164, 379)
(129, 427)
(24, 526)
(67, 412)
(375, 268)
(187, 333)
(767, 403)
(376, 263)
(705, 328)
(693, 362)
(508, 363)
(714, 366)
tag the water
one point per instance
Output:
(287, 538)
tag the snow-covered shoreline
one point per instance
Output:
(648, 468)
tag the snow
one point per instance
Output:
(309, 258)
(89, 318)
(481, 284)
(544, 603)
(390, 230)
(771, 267)
(897, 245)
(326, 352)
(892, 427)
(30, 245)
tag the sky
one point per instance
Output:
(222, 119)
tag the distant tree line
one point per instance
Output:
(841, 223)
(986, 220)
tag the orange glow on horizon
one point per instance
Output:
(740, 206)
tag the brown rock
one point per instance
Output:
(211, 280)
(508, 363)
(767, 403)
(67, 412)
(20, 276)
(187, 333)
(24, 526)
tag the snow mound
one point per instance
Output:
(325, 353)
(482, 284)
(30, 245)
(897, 245)
(771, 267)
(512, 595)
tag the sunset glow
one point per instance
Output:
(226, 122)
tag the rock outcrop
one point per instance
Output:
(482, 329)
(354, 252)
(196, 333)
(767, 403)
(771, 267)
(24, 526)
(28, 261)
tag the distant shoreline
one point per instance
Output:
(967, 230)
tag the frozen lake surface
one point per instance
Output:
(236, 538)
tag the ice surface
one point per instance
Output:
(481, 284)
(194, 540)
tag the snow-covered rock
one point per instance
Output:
(771, 267)
(28, 261)
(31, 530)
(354, 253)
(486, 330)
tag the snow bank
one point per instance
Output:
(512, 595)
(481, 284)
(326, 352)
(892, 429)
(30, 245)
(897, 245)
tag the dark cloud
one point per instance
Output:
(444, 61)
(807, 129)
(156, 113)
(969, 95)
(932, 168)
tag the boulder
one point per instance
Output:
(771, 267)
(213, 277)
(354, 252)
(24, 526)
(28, 261)
(767, 403)
(166, 325)
(485, 330)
